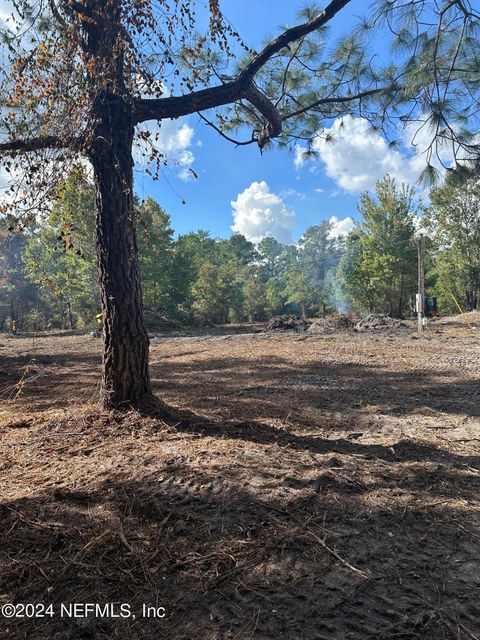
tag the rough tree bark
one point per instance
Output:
(126, 378)
(125, 375)
(115, 113)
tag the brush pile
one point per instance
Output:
(286, 323)
(379, 322)
(330, 325)
(157, 322)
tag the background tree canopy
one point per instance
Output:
(81, 77)
(48, 272)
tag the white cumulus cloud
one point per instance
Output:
(299, 158)
(292, 193)
(258, 213)
(340, 227)
(6, 10)
(11, 19)
(3, 178)
(174, 140)
(357, 158)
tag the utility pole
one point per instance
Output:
(421, 239)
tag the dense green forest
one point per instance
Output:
(48, 272)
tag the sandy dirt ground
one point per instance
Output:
(309, 488)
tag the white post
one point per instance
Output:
(421, 240)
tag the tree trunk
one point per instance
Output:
(125, 358)
(70, 317)
(13, 313)
(468, 298)
(400, 301)
(390, 298)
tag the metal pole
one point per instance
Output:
(421, 281)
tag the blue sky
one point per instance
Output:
(276, 193)
(225, 171)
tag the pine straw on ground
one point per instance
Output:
(247, 518)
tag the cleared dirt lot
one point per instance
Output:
(310, 488)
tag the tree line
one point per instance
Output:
(48, 271)
(78, 80)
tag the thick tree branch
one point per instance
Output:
(268, 111)
(239, 89)
(288, 36)
(174, 107)
(35, 144)
(242, 88)
(78, 7)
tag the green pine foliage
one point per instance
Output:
(378, 269)
(48, 272)
(60, 255)
(453, 219)
(19, 301)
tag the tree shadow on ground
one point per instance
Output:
(405, 450)
(347, 387)
(228, 561)
(49, 380)
(266, 386)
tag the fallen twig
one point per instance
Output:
(338, 556)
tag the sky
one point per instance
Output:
(278, 193)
